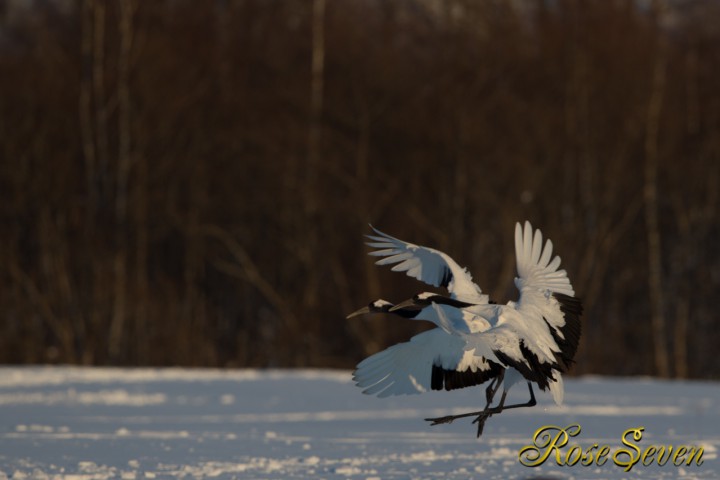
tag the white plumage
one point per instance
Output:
(406, 367)
(534, 338)
(427, 265)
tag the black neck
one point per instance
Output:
(450, 301)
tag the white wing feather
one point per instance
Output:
(406, 368)
(538, 278)
(425, 264)
(536, 271)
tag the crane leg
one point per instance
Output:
(490, 392)
(493, 388)
(488, 412)
(483, 415)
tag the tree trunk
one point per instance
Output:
(650, 195)
(311, 221)
(100, 101)
(124, 163)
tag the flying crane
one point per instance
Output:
(533, 339)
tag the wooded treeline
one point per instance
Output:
(188, 182)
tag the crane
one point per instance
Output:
(533, 339)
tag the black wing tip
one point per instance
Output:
(446, 379)
(569, 303)
(572, 309)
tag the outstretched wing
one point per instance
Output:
(547, 299)
(536, 271)
(431, 360)
(427, 265)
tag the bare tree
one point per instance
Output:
(124, 163)
(650, 194)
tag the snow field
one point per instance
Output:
(103, 423)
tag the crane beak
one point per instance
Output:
(362, 311)
(406, 304)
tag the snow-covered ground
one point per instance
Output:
(92, 423)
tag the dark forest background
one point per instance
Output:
(188, 182)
